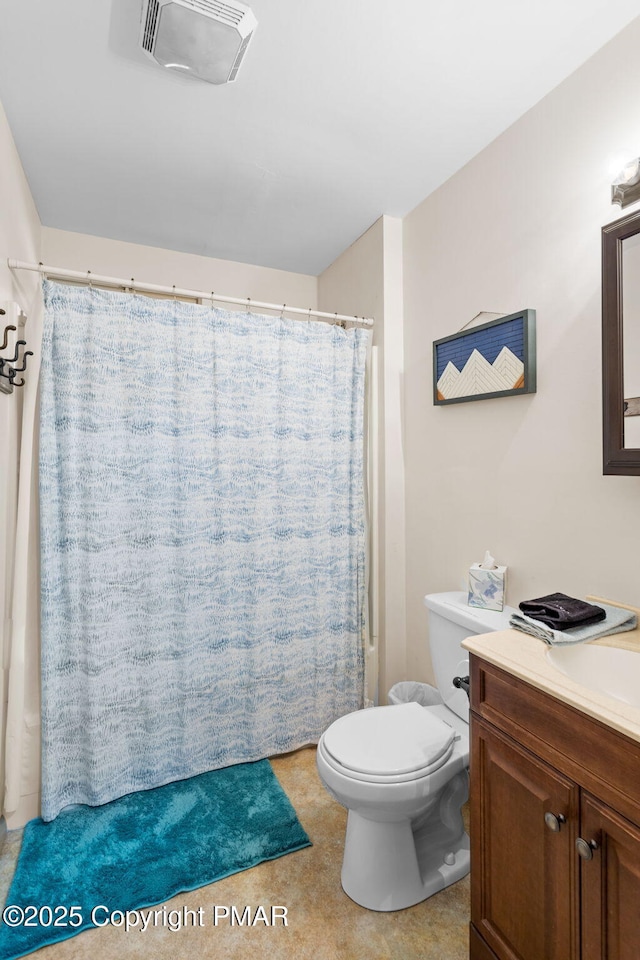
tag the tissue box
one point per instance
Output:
(487, 588)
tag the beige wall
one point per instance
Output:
(19, 221)
(366, 280)
(79, 251)
(519, 227)
(19, 238)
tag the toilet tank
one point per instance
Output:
(451, 619)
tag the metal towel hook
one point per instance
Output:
(6, 335)
(7, 369)
(19, 343)
(27, 353)
(13, 370)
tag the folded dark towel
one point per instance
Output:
(562, 612)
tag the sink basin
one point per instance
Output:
(609, 670)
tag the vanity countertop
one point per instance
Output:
(525, 657)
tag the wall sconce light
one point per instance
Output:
(625, 188)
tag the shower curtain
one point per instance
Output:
(202, 538)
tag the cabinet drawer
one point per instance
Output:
(592, 754)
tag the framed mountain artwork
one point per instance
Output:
(495, 359)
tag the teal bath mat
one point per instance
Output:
(143, 849)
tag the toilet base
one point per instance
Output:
(392, 865)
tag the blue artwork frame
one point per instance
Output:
(494, 359)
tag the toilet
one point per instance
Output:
(402, 773)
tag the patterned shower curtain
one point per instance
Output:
(202, 531)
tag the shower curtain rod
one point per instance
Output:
(59, 273)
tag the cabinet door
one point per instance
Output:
(610, 884)
(524, 874)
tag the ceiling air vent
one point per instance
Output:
(206, 39)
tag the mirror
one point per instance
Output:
(631, 340)
(621, 345)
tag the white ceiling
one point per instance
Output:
(343, 110)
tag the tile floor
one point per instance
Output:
(323, 923)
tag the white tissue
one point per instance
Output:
(488, 563)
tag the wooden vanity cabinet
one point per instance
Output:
(610, 885)
(555, 828)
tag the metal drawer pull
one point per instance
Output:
(585, 848)
(554, 822)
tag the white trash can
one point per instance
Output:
(410, 691)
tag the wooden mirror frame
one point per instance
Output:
(617, 458)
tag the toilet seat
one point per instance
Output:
(388, 744)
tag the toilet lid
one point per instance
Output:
(390, 741)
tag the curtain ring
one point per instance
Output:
(309, 317)
(212, 299)
(248, 304)
(174, 292)
(89, 279)
(284, 307)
